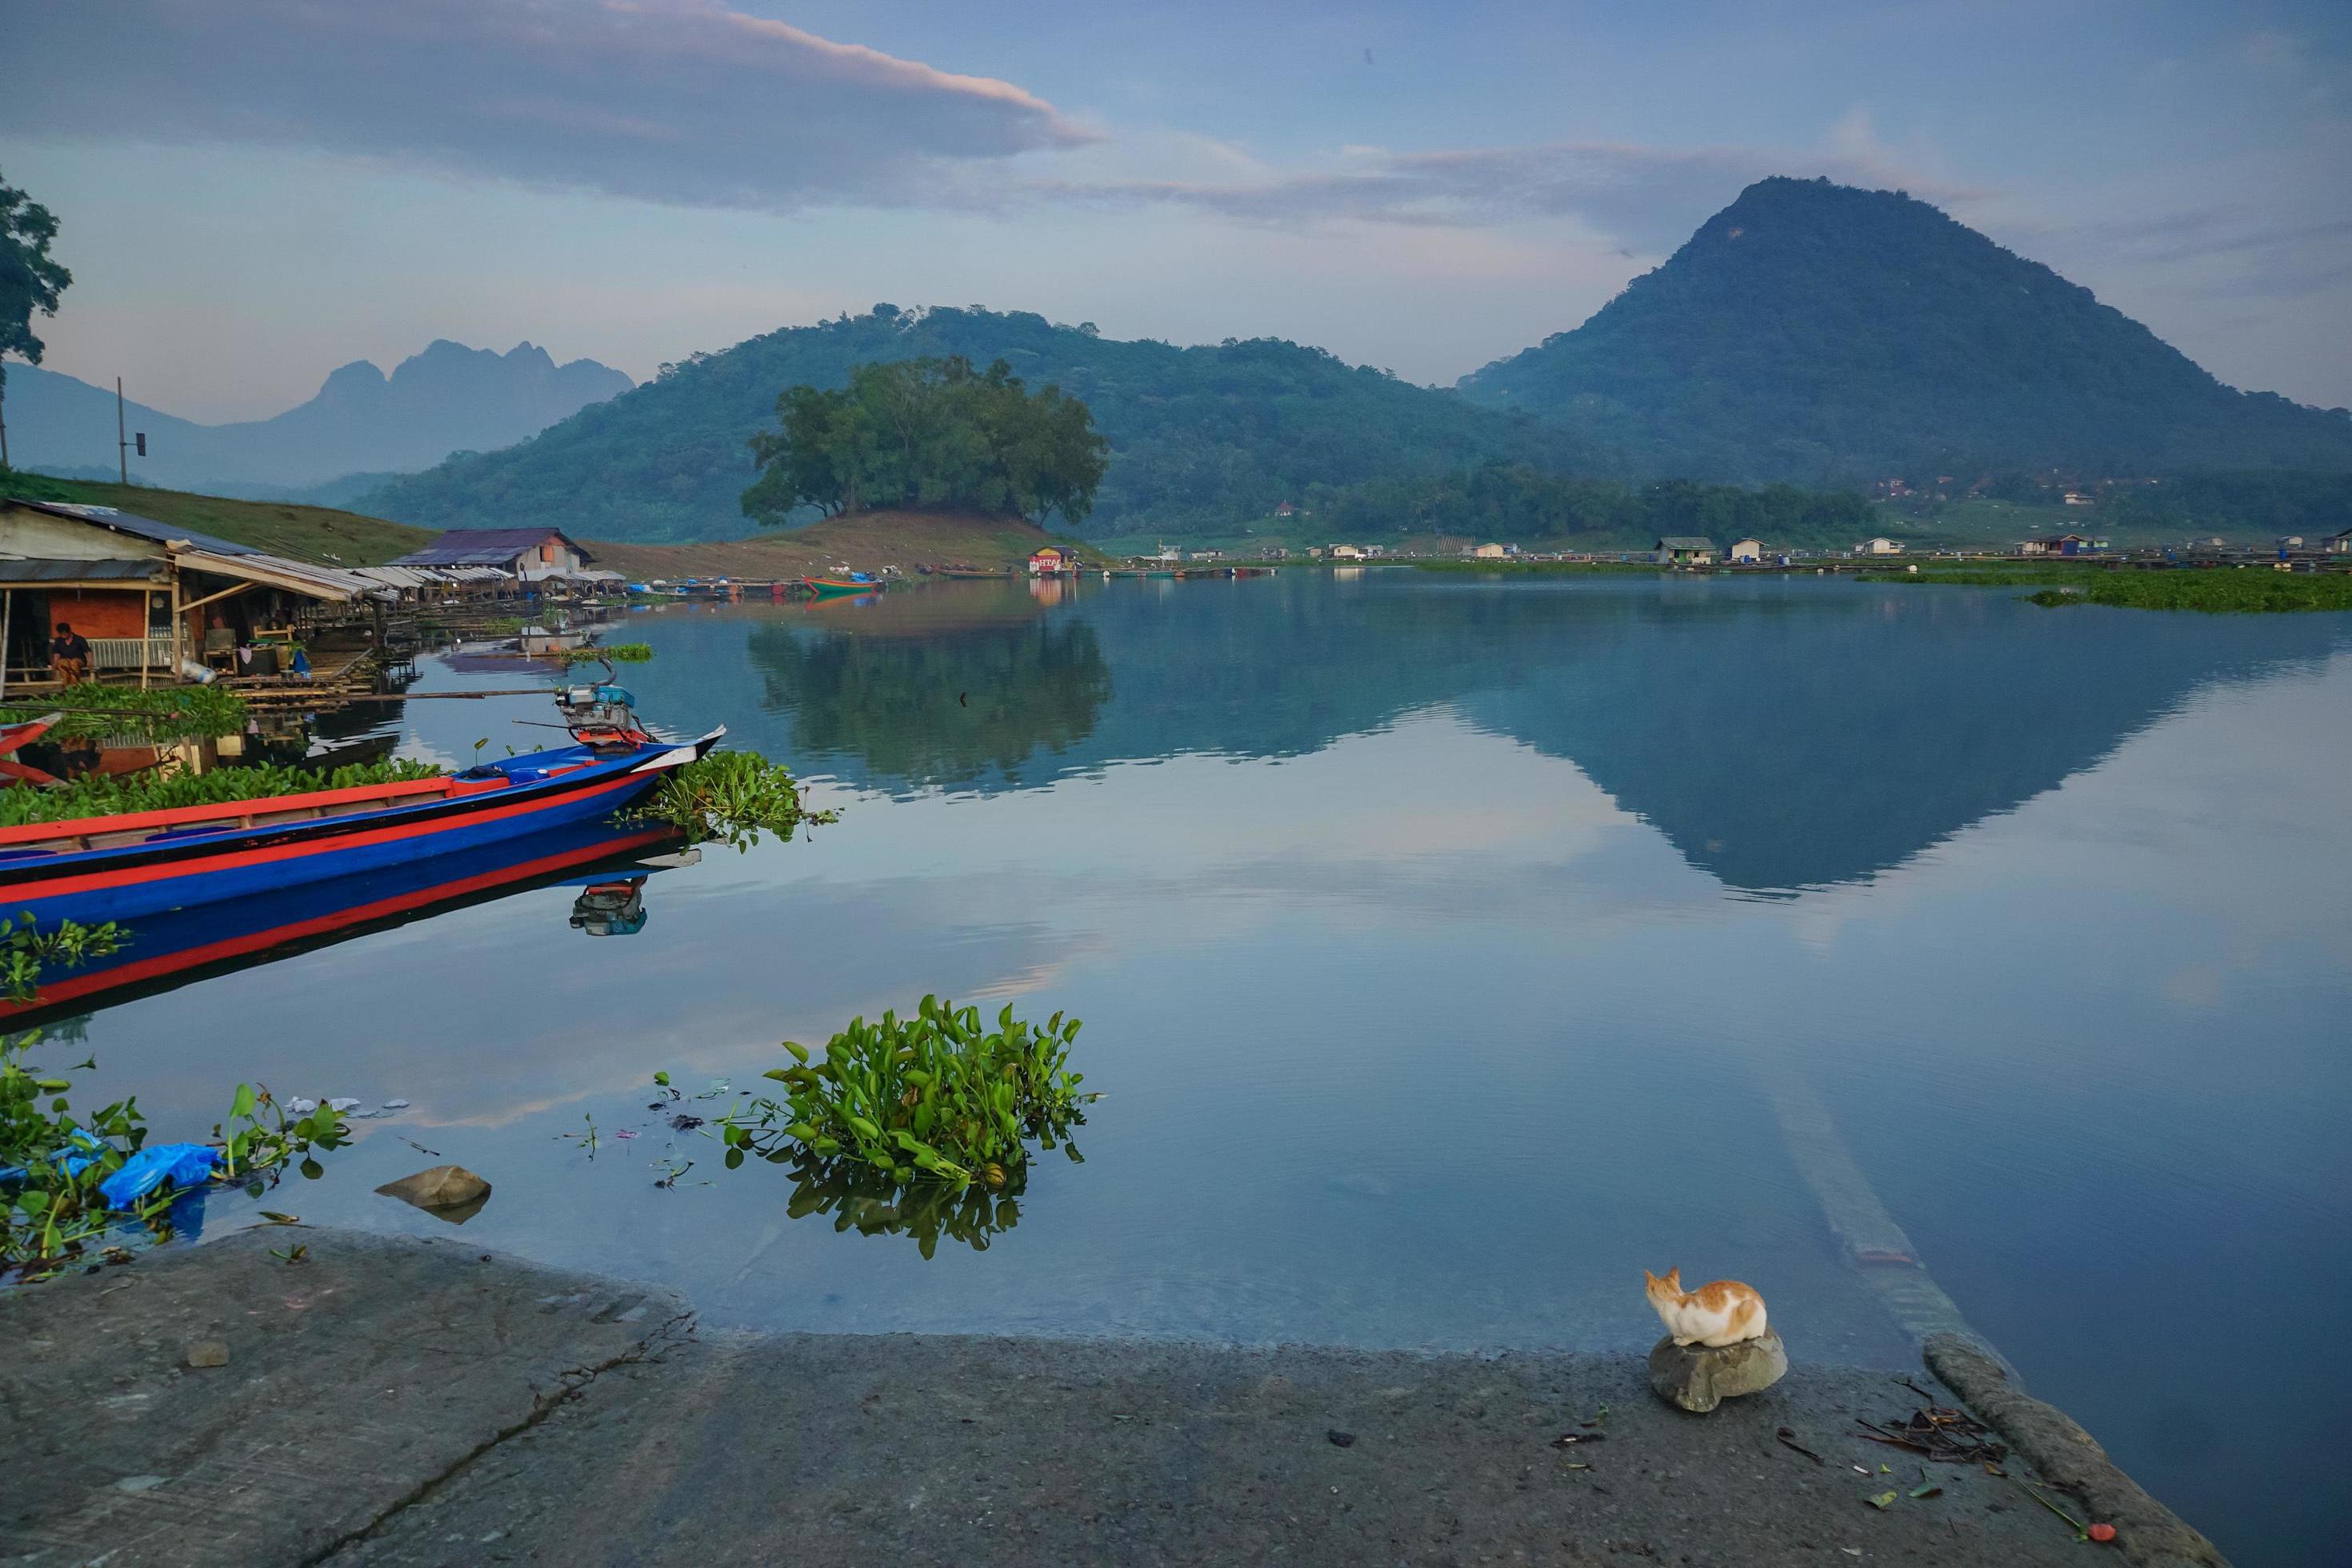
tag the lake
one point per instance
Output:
(1451, 949)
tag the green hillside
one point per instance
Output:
(304, 533)
(1201, 438)
(1812, 332)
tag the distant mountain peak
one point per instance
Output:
(1812, 330)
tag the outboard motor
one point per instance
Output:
(601, 715)
(610, 908)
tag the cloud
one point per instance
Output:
(680, 101)
(1649, 197)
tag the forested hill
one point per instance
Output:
(1811, 332)
(1201, 438)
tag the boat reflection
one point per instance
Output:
(164, 951)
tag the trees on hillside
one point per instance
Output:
(928, 433)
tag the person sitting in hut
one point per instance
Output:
(69, 656)
(220, 646)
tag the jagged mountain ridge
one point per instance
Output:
(446, 399)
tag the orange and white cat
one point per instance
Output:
(1723, 1313)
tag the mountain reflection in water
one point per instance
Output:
(1781, 733)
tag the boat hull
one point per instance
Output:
(137, 880)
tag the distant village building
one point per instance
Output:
(2079, 498)
(1685, 549)
(1373, 551)
(1274, 552)
(1347, 553)
(531, 555)
(1748, 551)
(1283, 509)
(1052, 560)
(1878, 547)
(2340, 543)
(1490, 552)
(2291, 541)
(2057, 544)
(1208, 556)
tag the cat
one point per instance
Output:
(1723, 1313)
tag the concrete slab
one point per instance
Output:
(391, 1402)
(353, 1378)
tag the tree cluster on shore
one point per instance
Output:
(1521, 502)
(927, 434)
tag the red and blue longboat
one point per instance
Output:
(120, 868)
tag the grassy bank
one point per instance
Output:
(305, 532)
(2244, 591)
(2221, 590)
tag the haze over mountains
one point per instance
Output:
(1808, 332)
(447, 399)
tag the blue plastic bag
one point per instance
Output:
(182, 1164)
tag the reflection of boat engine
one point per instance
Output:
(600, 715)
(610, 908)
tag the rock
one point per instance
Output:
(1698, 1378)
(208, 1352)
(445, 1192)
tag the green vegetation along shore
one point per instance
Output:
(2225, 590)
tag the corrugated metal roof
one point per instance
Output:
(1685, 541)
(278, 572)
(485, 547)
(137, 527)
(31, 570)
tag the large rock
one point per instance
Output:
(1698, 1378)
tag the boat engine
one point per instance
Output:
(600, 715)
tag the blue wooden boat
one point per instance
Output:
(124, 868)
(172, 948)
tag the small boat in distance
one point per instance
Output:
(852, 583)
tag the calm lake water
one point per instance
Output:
(1450, 951)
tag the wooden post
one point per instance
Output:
(121, 441)
(7, 612)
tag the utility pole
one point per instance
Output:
(122, 442)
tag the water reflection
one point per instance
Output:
(1781, 734)
(961, 708)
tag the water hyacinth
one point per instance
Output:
(937, 1097)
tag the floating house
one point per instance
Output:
(2340, 543)
(1052, 560)
(2056, 544)
(150, 597)
(1685, 549)
(1878, 547)
(1748, 551)
(528, 554)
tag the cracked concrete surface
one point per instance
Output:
(398, 1401)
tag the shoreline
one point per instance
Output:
(390, 1400)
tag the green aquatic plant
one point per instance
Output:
(619, 653)
(25, 951)
(54, 1162)
(730, 795)
(101, 795)
(939, 1096)
(88, 712)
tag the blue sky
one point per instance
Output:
(253, 193)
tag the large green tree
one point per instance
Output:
(929, 434)
(29, 281)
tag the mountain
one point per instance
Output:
(1812, 332)
(449, 398)
(1202, 439)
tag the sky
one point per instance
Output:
(252, 194)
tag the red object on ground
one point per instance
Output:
(2103, 1532)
